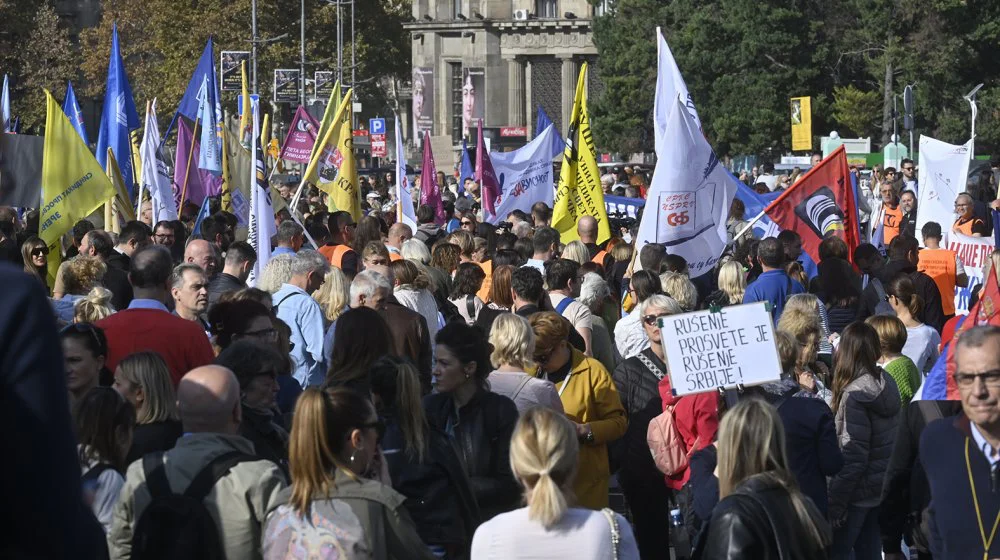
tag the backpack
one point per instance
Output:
(177, 525)
(670, 454)
(882, 307)
(449, 311)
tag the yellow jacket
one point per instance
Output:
(589, 397)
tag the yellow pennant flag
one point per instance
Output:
(244, 135)
(122, 206)
(579, 192)
(332, 105)
(226, 200)
(73, 183)
(265, 134)
(334, 169)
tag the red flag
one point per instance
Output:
(430, 191)
(485, 176)
(819, 205)
(985, 312)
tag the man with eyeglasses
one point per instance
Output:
(909, 175)
(163, 234)
(967, 222)
(961, 454)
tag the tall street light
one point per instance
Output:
(971, 98)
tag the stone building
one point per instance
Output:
(497, 60)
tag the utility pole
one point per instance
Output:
(971, 98)
(253, 43)
(302, 53)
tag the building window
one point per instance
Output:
(547, 8)
(455, 74)
(604, 8)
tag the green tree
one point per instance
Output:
(855, 110)
(47, 61)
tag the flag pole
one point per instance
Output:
(747, 227)
(187, 171)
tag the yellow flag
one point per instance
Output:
(265, 134)
(73, 183)
(332, 105)
(801, 109)
(244, 136)
(579, 192)
(334, 170)
(226, 200)
(122, 206)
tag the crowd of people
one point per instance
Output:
(467, 390)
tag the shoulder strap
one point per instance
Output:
(282, 300)
(651, 366)
(93, 473)
(212, 472)
(877, 284)
(156, 475)
(564, 304)
(470, 306)
(609, 514)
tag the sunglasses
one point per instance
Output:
(40, 251)
(467, 223)
(379, 427)
(651, 319)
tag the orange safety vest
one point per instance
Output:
(892, 221)
(393, 257)
(939, 264)
(484, 291)
(599, 257)
(965, 228)
(335, 253)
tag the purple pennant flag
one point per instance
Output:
(200, 183)
(430, 191)
(301, 137)
(485, 176)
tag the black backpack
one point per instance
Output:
(179, 525)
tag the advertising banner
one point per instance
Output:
(229, 65)
(323, 81)
(423, 103)
(473, 98)
(801, 124)
(286, 86)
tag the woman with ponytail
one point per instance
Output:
(543, 455)
(329, 506)
(761, 513)
(921, 340)
(423, 465)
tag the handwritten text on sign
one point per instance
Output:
(733, 346)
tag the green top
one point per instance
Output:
(906, 375)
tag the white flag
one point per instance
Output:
(404, 193)
(525, 175)
(669, 86)
(155, 173)
(262, 226)
(944, 169)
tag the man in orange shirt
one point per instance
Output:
(943, 266)
(967, 222)
(891, 215)
(338, 251)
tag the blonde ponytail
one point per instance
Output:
(411, 412)
(543, 456)
(96, 305)
(310, 458)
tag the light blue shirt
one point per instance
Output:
(147, 304)
(331, 332)
(984, 446)
(282, 251)
(305, 318)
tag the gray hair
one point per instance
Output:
(661, 301)
(367, 282)
(287, 230)
(522, 230)
(976, 337)
(177, 277)
(416, 250)
(307, 261)
(594, 289)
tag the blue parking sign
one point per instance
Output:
(376, 126)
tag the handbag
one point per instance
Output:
(616, 535)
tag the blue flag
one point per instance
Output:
(542, 121)
(202, 214)
(190, 104)
(5, 105)
(72, 109)
(118, 117)
(465, 170)
(210, 157)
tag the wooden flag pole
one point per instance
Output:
(187, 172)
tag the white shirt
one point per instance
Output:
(536, 264)
(581, 534)
(984, 446)
(630, 337)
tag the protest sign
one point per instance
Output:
(525, 176)
(943, 171)
(973, 252)
(733, 346)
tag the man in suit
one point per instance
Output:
(134, 236)
(97, 243)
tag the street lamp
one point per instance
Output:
(971, 98)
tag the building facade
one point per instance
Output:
(496, 60)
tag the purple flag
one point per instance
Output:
(430, 191)
(200, 183)
(487, 178)
(301, 137)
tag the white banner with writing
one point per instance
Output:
(973, 252)
(944, 169)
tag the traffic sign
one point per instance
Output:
(239, 105)
(378, 144)
(376, 126)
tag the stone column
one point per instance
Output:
(530, 112)
(515, 94)
(568, 87)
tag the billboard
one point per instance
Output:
(229, 64)
(286, 86)
(473, 98)
(324, 81)
(423, 103)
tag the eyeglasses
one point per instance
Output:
(39, 251)
(163, 237)
(379, 427)
(468, 224)
(990, 379)
(268, 334)
(651, 319)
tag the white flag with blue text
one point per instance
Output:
(525, 175)
(404, 193)
(155, 173)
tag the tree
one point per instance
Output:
(855, 110)
(47, 61)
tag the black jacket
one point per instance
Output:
(222, 284)
(438, 493)
(637, 387)
(270, 441)
(932, 314)
(906, 493)
(157, 436)
(117, 282)
(480, 432)
(758, 521)
(121, 261)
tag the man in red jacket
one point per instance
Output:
(148, 325)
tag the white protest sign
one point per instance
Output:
(943, 171)
(706, 350)
(973, 252)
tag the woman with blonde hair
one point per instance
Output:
(82, 275)
(334, 295)
(679, 287)
(335, 436)
(465, 242)
(513, 344)
(278, 271)
(94, 306)
(732, 286)
(577, 252)
(589, 398)
(143, 379)
(810, 303)
(805, 328)
(892, 338)
(544, 454)
(761, 514)
(35, 254)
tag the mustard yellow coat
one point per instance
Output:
(590, 397)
